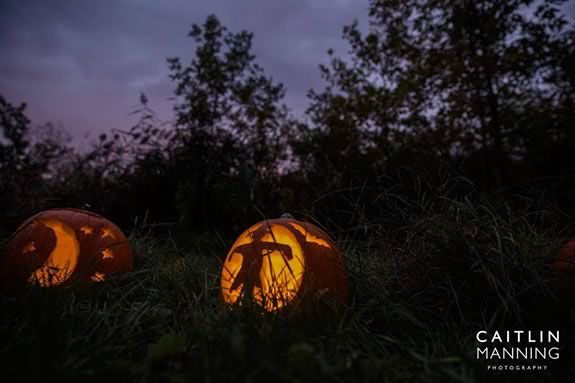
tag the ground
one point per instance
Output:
(425, 276)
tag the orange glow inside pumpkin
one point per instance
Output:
(86, 230)
(29, 248)
(278, 255)
(62, 261)
(107, 253)
(107, 232)
(98, 277)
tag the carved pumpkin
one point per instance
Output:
(565, 261)
(276, 261)
(62, 246)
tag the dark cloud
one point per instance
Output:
(84, 62)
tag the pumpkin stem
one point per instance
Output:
(287, 216)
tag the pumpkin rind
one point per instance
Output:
(284, 259)
(61, 246)
(565, 261)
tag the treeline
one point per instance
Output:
(480, 90)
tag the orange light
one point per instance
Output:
(273, 254)
(29, 248)
(86, 230)
(98, 277)
(107, 253)
(107, 232)
(62, 260)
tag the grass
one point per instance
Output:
(427, 272)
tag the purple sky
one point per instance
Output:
(83, 63)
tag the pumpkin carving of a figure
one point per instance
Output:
(61, 246)
(276, 261)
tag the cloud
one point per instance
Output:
(84, 63)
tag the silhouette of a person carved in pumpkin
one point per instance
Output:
(253, 254)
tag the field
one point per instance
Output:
(425, 277)
(433, 140)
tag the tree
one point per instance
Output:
(229, 123)
(27, 160)
(455, 78)
(15, 126)
(122, 165)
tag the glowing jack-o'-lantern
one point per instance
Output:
(65, 245)
(565, 261)
(276, 261)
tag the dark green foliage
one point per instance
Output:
(28, 159)
(432, 271)
(230, 128)
(483, 84)
(479, 89)
(218, 165)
